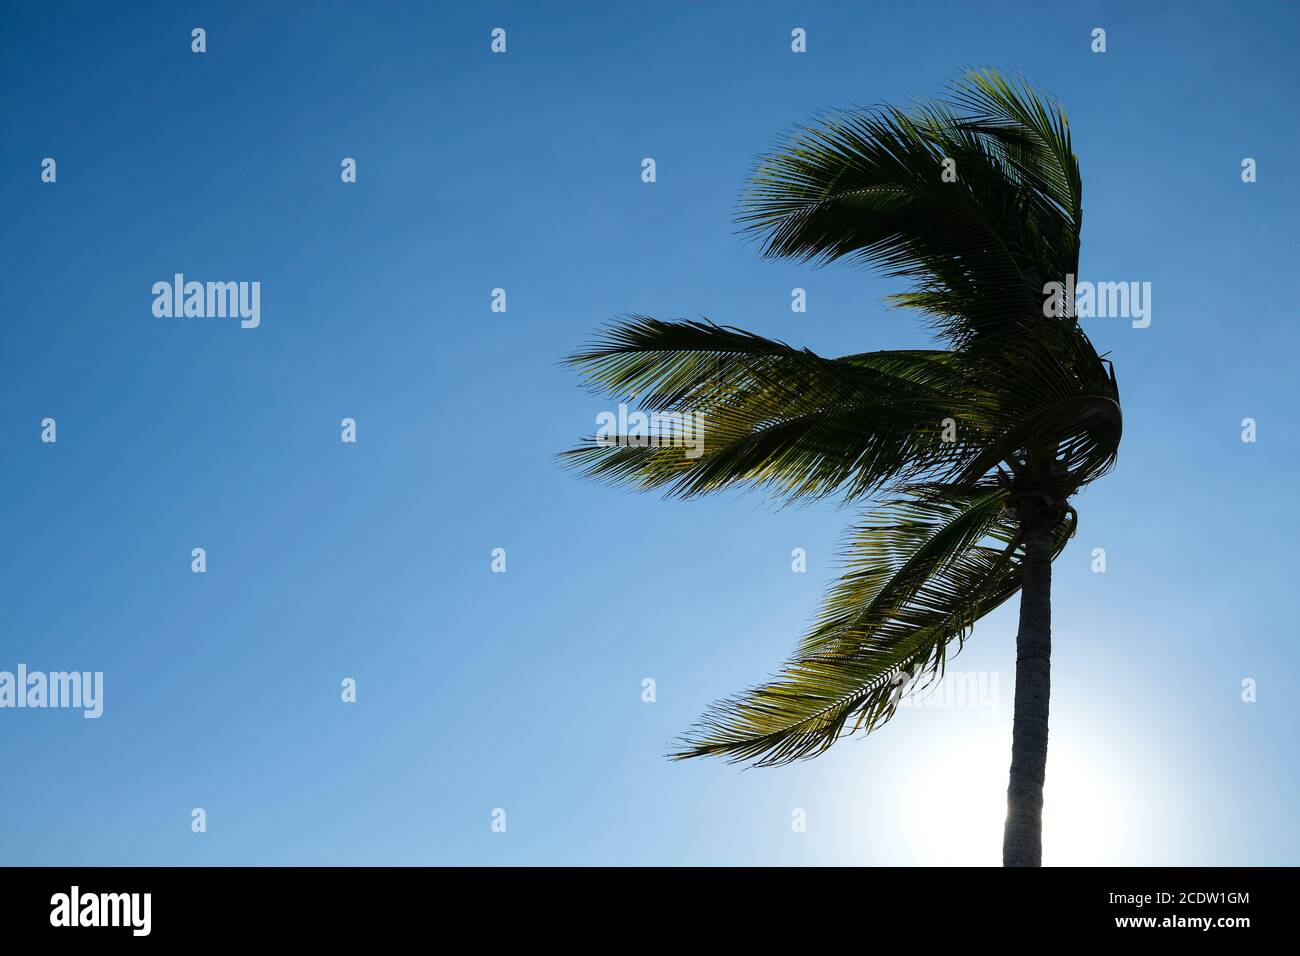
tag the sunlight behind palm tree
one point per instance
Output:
(945, 801)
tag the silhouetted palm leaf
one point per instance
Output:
(915, 578)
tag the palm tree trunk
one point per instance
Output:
(1022, 841)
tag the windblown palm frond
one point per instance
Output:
(915, 579)
(869, 186)
(773, 415)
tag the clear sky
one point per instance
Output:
(523, 690)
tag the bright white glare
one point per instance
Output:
(954, 804)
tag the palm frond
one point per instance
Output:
(770, 415)
(917, 578)
(868, 186)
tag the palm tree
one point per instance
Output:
(970, 452)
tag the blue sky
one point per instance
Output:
(371, 560)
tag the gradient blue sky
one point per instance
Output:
(522, 690)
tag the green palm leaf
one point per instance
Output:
(794, 422)
(916, 578)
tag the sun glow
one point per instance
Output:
(954, 805)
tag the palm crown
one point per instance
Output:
(967, 453)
